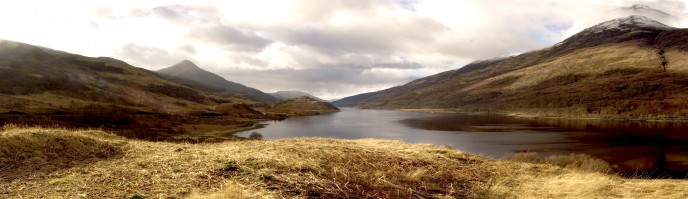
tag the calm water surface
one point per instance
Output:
(660, 148)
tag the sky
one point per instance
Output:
(329, 48)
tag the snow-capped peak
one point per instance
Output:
(627, 23)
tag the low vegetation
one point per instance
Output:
(26, 151)
(302, 106)
(573, 161)
(107, 166)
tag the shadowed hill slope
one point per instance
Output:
(302, 106)
(40, 86)
(285, 95)
(356, 99)
(36, 79)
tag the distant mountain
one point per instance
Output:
(285, 95)
(186, 72)
(302, 106)
(356, 99)
(631, 67)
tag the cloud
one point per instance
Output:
(381, 35)
(187, 49)
(328, 82)
(155, 58)
(231, 37)
(336, 48)
(403, 65)
(186, 14)
(172, 12)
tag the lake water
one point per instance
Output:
(659, 148)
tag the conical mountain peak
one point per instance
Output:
(193, 75)
(186, 64)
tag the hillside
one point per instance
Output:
(356, 99)
(631, 67)
(59, 163)
(285, 95)
(36, 79)
(50, 87)
(187, 73)
(302, 106)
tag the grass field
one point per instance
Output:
(62, 163)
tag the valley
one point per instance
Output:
(180, 103)
(230, 100)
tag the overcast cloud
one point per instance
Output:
(332, 48)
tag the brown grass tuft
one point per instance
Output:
(572, 161)
(28, 150)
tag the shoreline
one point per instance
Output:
(535, 116)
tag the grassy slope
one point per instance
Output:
(302, 106)
(290, 168)
(618, 80)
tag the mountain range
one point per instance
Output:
(39, 80)
(41, 86)
(285, 95)
(631, 67)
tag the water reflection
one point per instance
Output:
(651, 148)
(632, 146)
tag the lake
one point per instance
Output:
(654, 148)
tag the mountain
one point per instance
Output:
(631, 67)
(41, 86)
(187, 73)
(356, 99)
(41, 80)
(302, 106)
(285, 95)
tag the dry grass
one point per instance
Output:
(308, 167)
(594, 60)
(572, 161)
(542, 181)
(27, 151)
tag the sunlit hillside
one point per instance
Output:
(626, 68)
